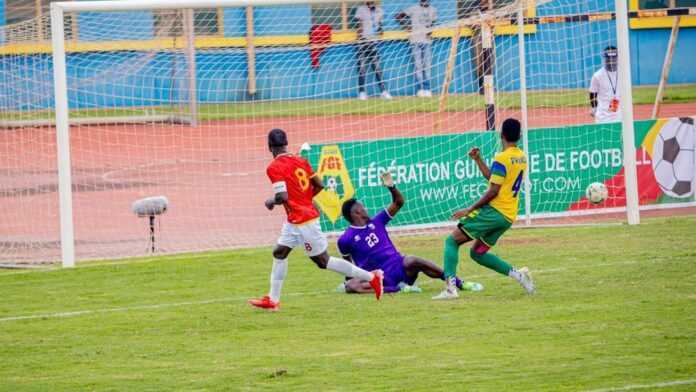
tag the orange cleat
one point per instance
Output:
(265, 303)
(377, 283)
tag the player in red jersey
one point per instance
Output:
(295, 185)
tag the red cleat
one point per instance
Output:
(265, 303)
(377, 283)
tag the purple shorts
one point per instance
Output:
(394, 273)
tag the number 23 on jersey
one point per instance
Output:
(372, 240)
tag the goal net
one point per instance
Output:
(178, 103)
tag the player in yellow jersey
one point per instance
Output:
(487, 219)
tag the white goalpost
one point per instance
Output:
(67, 231)
(523, 113)
(175, 98)
(628, 132)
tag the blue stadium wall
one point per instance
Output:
(564, 62)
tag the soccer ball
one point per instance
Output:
(596, 192)
(331, 184)
(673, 157)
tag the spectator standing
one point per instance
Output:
(369, 17)
(419, 20)
(605, 95)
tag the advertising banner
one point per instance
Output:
(437, 177)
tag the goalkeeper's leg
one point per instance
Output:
(413, 265)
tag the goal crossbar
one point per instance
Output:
(111, 5)
(112, 120)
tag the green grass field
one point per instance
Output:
(329, 107)
(616, 306)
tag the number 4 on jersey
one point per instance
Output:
(518, 183)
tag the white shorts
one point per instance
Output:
(605, 116)
(308, 235)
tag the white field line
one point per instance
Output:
(111, 310)
(115, 263)
(242, 298)
(646, 386)
(140, 307)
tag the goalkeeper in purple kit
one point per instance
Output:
(367, 244)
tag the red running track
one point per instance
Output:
(212, 174)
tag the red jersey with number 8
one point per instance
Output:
(292, 174)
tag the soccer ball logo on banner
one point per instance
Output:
(673, 157)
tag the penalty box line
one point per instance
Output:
(139, 307)
(664, 384)
(78, 313)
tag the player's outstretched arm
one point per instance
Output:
(475, 154)
(317, 184)
(491, 194)
(398, 200)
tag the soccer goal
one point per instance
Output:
(136, 99)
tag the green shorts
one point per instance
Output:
(485, 224)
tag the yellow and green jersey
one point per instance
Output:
(507, 171)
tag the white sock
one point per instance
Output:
(347, 269)
(515, 275)
(278, 273)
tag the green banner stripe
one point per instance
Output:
(436, 175)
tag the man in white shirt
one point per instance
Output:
(418, 20)
(369, 18)
(605, 94)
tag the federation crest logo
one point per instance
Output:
(337, 185)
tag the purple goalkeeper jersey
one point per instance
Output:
(370, 246)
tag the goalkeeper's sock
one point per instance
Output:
(451, 257)
(278, 273)
(489, 260)
(348, 269)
